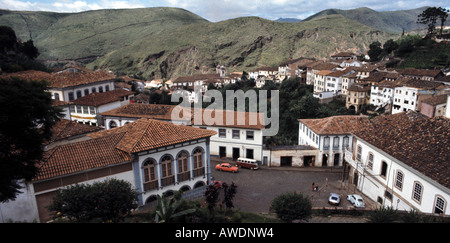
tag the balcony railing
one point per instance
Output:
(199, 172)
(152, 185)
(183, 176)
(167, 181)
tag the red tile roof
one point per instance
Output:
(146, 134)
(77, 157)
(98, 99)
(115, 146)
(336, 125)
(66, 78)
(65, 129)
(151, 111)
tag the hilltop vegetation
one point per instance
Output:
(390, 21)
(169, 42)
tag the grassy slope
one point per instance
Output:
(95, 33)
(171, 42)
(389, 21)
(241, 44)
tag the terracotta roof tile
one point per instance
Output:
(77, 157)
(146, 134)
(98, 99)
(115, 146)
(151, 111)
(336, 124)
(67, 78)
(65, 129)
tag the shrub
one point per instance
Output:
(110, 201)
(292, 206)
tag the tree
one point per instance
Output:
(8, 38)
(212, 198)
(167, 210)
(430, 16)
(26, 119)
(390, 46)
(29, 49)
(375, 51)
(292, 206)
(110, 200)
(229, 193)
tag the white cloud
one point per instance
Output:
(216, 10)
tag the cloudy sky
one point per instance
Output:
(217, 10)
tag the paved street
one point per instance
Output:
(256, 189)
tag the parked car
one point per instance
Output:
(334, 199)
(227, 167)
(356, 200)
(247, 163)
(216, 184)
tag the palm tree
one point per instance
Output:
(167, 210)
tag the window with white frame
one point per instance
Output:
(358, 153)
(417, 192)
(370, 161)
(399, 177)
(439, 206)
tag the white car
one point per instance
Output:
(334, 199)
(356, 200)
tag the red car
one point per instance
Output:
(216, 184)
(227, 167)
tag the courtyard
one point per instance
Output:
(257, 188)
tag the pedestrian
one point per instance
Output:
(312, 188)
(316, 188)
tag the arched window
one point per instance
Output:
(198, 162)
(112, 124)
(384, 167)
(399, 177)
(417, 192)
(358, 153)
(150, 181)
(167, 177)
(183, 168)
(439, 205)
(370, 161)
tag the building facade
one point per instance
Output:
(400, 175)
(330, 136)
(155, 157)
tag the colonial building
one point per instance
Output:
(402, 161)
(155, 157)
(330, 136)
(86, 109)
(71, 83)
(410, 95)
(232, 140)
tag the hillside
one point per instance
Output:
(239, 44)
(91, 34)
(388, 21)
(169, 42)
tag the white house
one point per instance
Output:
(155, 157)
(410, 95)
(86, 109)
(402, 161)
(330, 136)
(71, 83)
(382, 94)
(232, 140)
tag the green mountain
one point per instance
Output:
(387, 21)
(169, 42)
